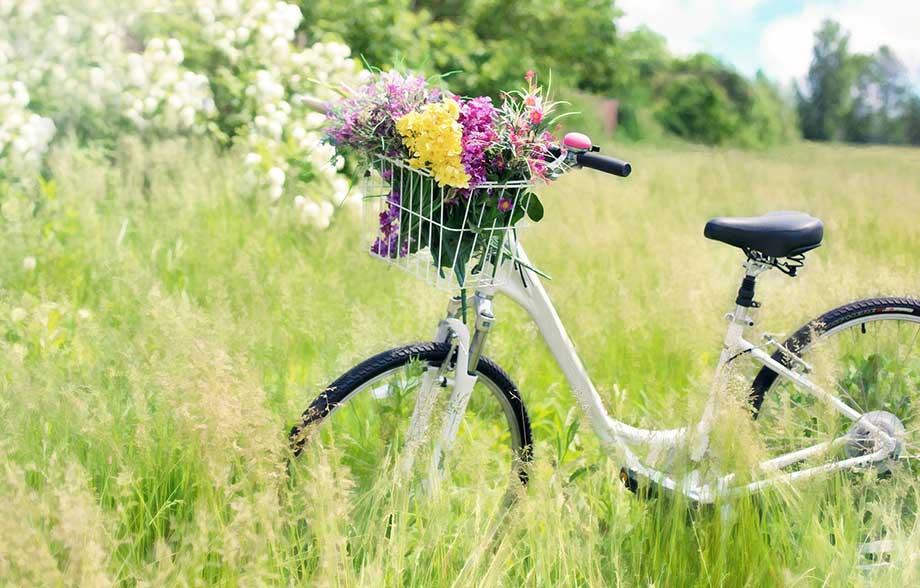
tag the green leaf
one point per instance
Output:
(535, 209)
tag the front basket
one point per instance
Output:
(446, 236)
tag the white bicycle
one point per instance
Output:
(839, 394)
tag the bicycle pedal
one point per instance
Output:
(643, 488)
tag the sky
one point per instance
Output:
(777, 35)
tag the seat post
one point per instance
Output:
(752, 269)
(733, 345)
(746, 292)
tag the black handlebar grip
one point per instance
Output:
(605, 164)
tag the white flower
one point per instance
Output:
(315, 120)
(276, 176)
(175, 50)
(83, 314)
(28, 263)
(155, 45)
(253, 158)
(354, 202)
(18, 314)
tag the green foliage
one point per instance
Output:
(382, 32)
(480, 40)
(703, 100)
(697, 108)
(640, 57)
(771, 120)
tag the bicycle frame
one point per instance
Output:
(526, 289)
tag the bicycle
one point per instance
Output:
(834, 396)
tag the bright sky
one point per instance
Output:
(777, 35)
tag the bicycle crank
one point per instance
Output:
(860, 441)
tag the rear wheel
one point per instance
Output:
(868, 354)
(360, 422)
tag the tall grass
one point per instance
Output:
(174, 327)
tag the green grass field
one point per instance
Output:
(173, 329)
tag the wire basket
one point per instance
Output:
(448, 237)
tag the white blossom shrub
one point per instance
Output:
(160, 94)
(24, 135)
(71, 56)
(232, 70)
(280, 134)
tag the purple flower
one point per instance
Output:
(387, 243)
(366, 120)
(505, 204)
(477, 116)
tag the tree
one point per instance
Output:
(880, 96)
(380, 32)
(488, 44)
(911, 121)
(824, 105)
(698, 109)
(771, 120)
(704, 100)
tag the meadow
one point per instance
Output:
(173, 327)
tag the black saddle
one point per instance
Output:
(775, 234)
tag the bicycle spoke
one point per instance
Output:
(871, 367)
(367, 433)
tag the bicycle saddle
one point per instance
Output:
(775, 234)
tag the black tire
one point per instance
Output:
(342, 389)
(838, 317)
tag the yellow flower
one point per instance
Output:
(433, 137)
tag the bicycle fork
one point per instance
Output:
(468, 351)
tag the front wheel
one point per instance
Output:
(361, 421)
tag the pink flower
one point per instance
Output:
(529, 76)
(536, 116)
(537, 169)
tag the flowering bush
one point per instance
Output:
(232, 70)
(260, 78)
(159, 94)
(24, 135)
(479, 158)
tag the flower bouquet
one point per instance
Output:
(458, 171)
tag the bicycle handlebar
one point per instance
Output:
(609, 165)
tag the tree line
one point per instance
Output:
(857, 97)
(485, 46)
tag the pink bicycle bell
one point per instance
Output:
(578, 142)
